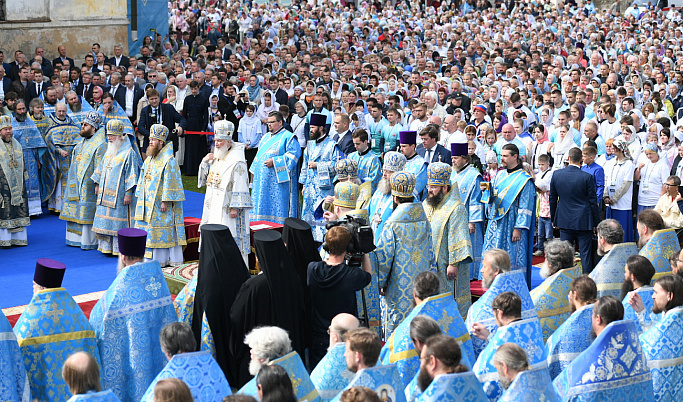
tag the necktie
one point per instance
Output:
(336, 138)
(429, 156)
(38, 85)
(158, 116)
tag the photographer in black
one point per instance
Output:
(333, 285)
(160, 113)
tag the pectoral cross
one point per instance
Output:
(148, 177)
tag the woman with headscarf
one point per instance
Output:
(539, 146)
(273, 298)
(559, 149)
(267, 105)
(299, 122)
(254, 89)
(578, 113)
(249, 133)
(667, 145)
(619, 188)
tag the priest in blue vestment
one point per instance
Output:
(656, 243)
(275, 188)
(51, 328)
(330, 376)
(468, 178)
(443, 377)
(379, 210)
(400, 348)
(520, 381)
(497, 278)
(78, 107)
(115, 179)
(511, 202)
(128, 320)
(550, 297)
(662, 342)
(14, 385)
(78, 208)
(110, 110)
(369, 165)
(636, 292)
(34, 147)
(511, 327)
(61, 138)
(614, 367)
(415, 164)
(317, 172)
(450, 235)
(574, 335)
(608, 274)
(403, 251)
(198, 370)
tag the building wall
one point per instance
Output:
(76, 24)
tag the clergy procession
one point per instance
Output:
(446, 201)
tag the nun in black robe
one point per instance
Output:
(274, 297)
(220, 275)
(298, 239)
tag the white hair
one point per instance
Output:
(433, 95)
(268, 343)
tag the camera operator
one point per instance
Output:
(160, 113)
(333, 286)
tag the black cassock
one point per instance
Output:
(220, 275)
(274, 298)
(196, 113)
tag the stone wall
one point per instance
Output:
(76, 24)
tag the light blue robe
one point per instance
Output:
(468, 181)
(275, 190)
(79, 117)
(645, 293)
(550, 299)
(14, 384)
(159, 182)
(525, 333)
(117, 113)
(451, 245)
(369, 167)
(569, 340)
(117, 177)
(200, 372)
(34, 147)
(184, 307)
(103, 396)
(664, 352)
(51, 329)
(658, 249)
(61, 135)
(318, 183)
(301, 382)
(418, 166)
(531, 385)
(331, 376)
(403, 251)
(127, 321)
(608, 274)
(457, 387)
(513, 206)
(381, 379)
(481, 309)
(78, 206)
(400, 350)
(613, 368)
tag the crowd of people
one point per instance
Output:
(461, 137)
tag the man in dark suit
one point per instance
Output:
(343, 137)
(62, 56)
(37, 86)
(158, 113)
(117, 88)
(119, 59)
(429, 149)
(6, 82)
(574, 206)
(84, 87)
(131, 96)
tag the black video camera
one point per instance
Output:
(362, 239)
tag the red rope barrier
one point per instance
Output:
(198, 132)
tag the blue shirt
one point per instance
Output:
(599, 176)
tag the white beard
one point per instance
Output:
(120, 266)
(113, 148)
(546, 271)
(254, 367)
(486, 282)
(384, 187)
(219, 153)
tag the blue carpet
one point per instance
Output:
(87, 271)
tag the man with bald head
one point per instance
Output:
(331, 376)
(82, 374)
(509, 136)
